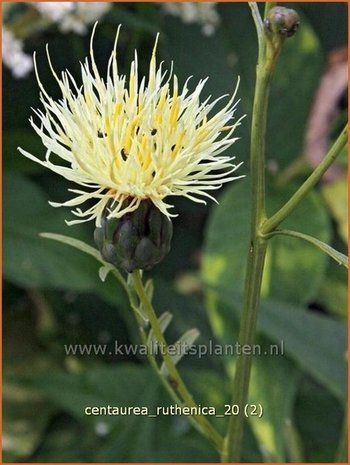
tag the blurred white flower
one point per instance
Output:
(72, 16)
(13, 56)
(53, 11)
(82, 15)
(68, 16)
(204, 14)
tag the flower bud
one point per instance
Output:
(138, 240)
(282, 21)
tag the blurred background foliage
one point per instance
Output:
(53, 296)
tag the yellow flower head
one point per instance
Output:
(126, 141)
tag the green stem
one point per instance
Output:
(268, 7)
(154, 365)
(268, 53)
(234, 436)
(174, 377)
(259, 25)
(272, 223)
(269, 49)
(150, 355)
(339, 257)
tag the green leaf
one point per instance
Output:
(294, 443)
(303, 340)
(318, 418)
(26, 414)
(334, 290)
(188, 312)
(317, 343)
(149, 289)
(340, 258)
(274, 378)
(103, 270)
(83, 247)
(180, 347)
(335, 195)
(274, 383)
(31, 261)
(293, 269)
(213, 388)
(164, 321)
(80, 245)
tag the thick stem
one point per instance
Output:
(256, 256)
(272, 223)
(255, 265)
(268, 54)
(257, 147)
(174, 377)
(234, 436)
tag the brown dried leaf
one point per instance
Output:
(324, 111)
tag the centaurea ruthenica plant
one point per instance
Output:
(131, 143)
